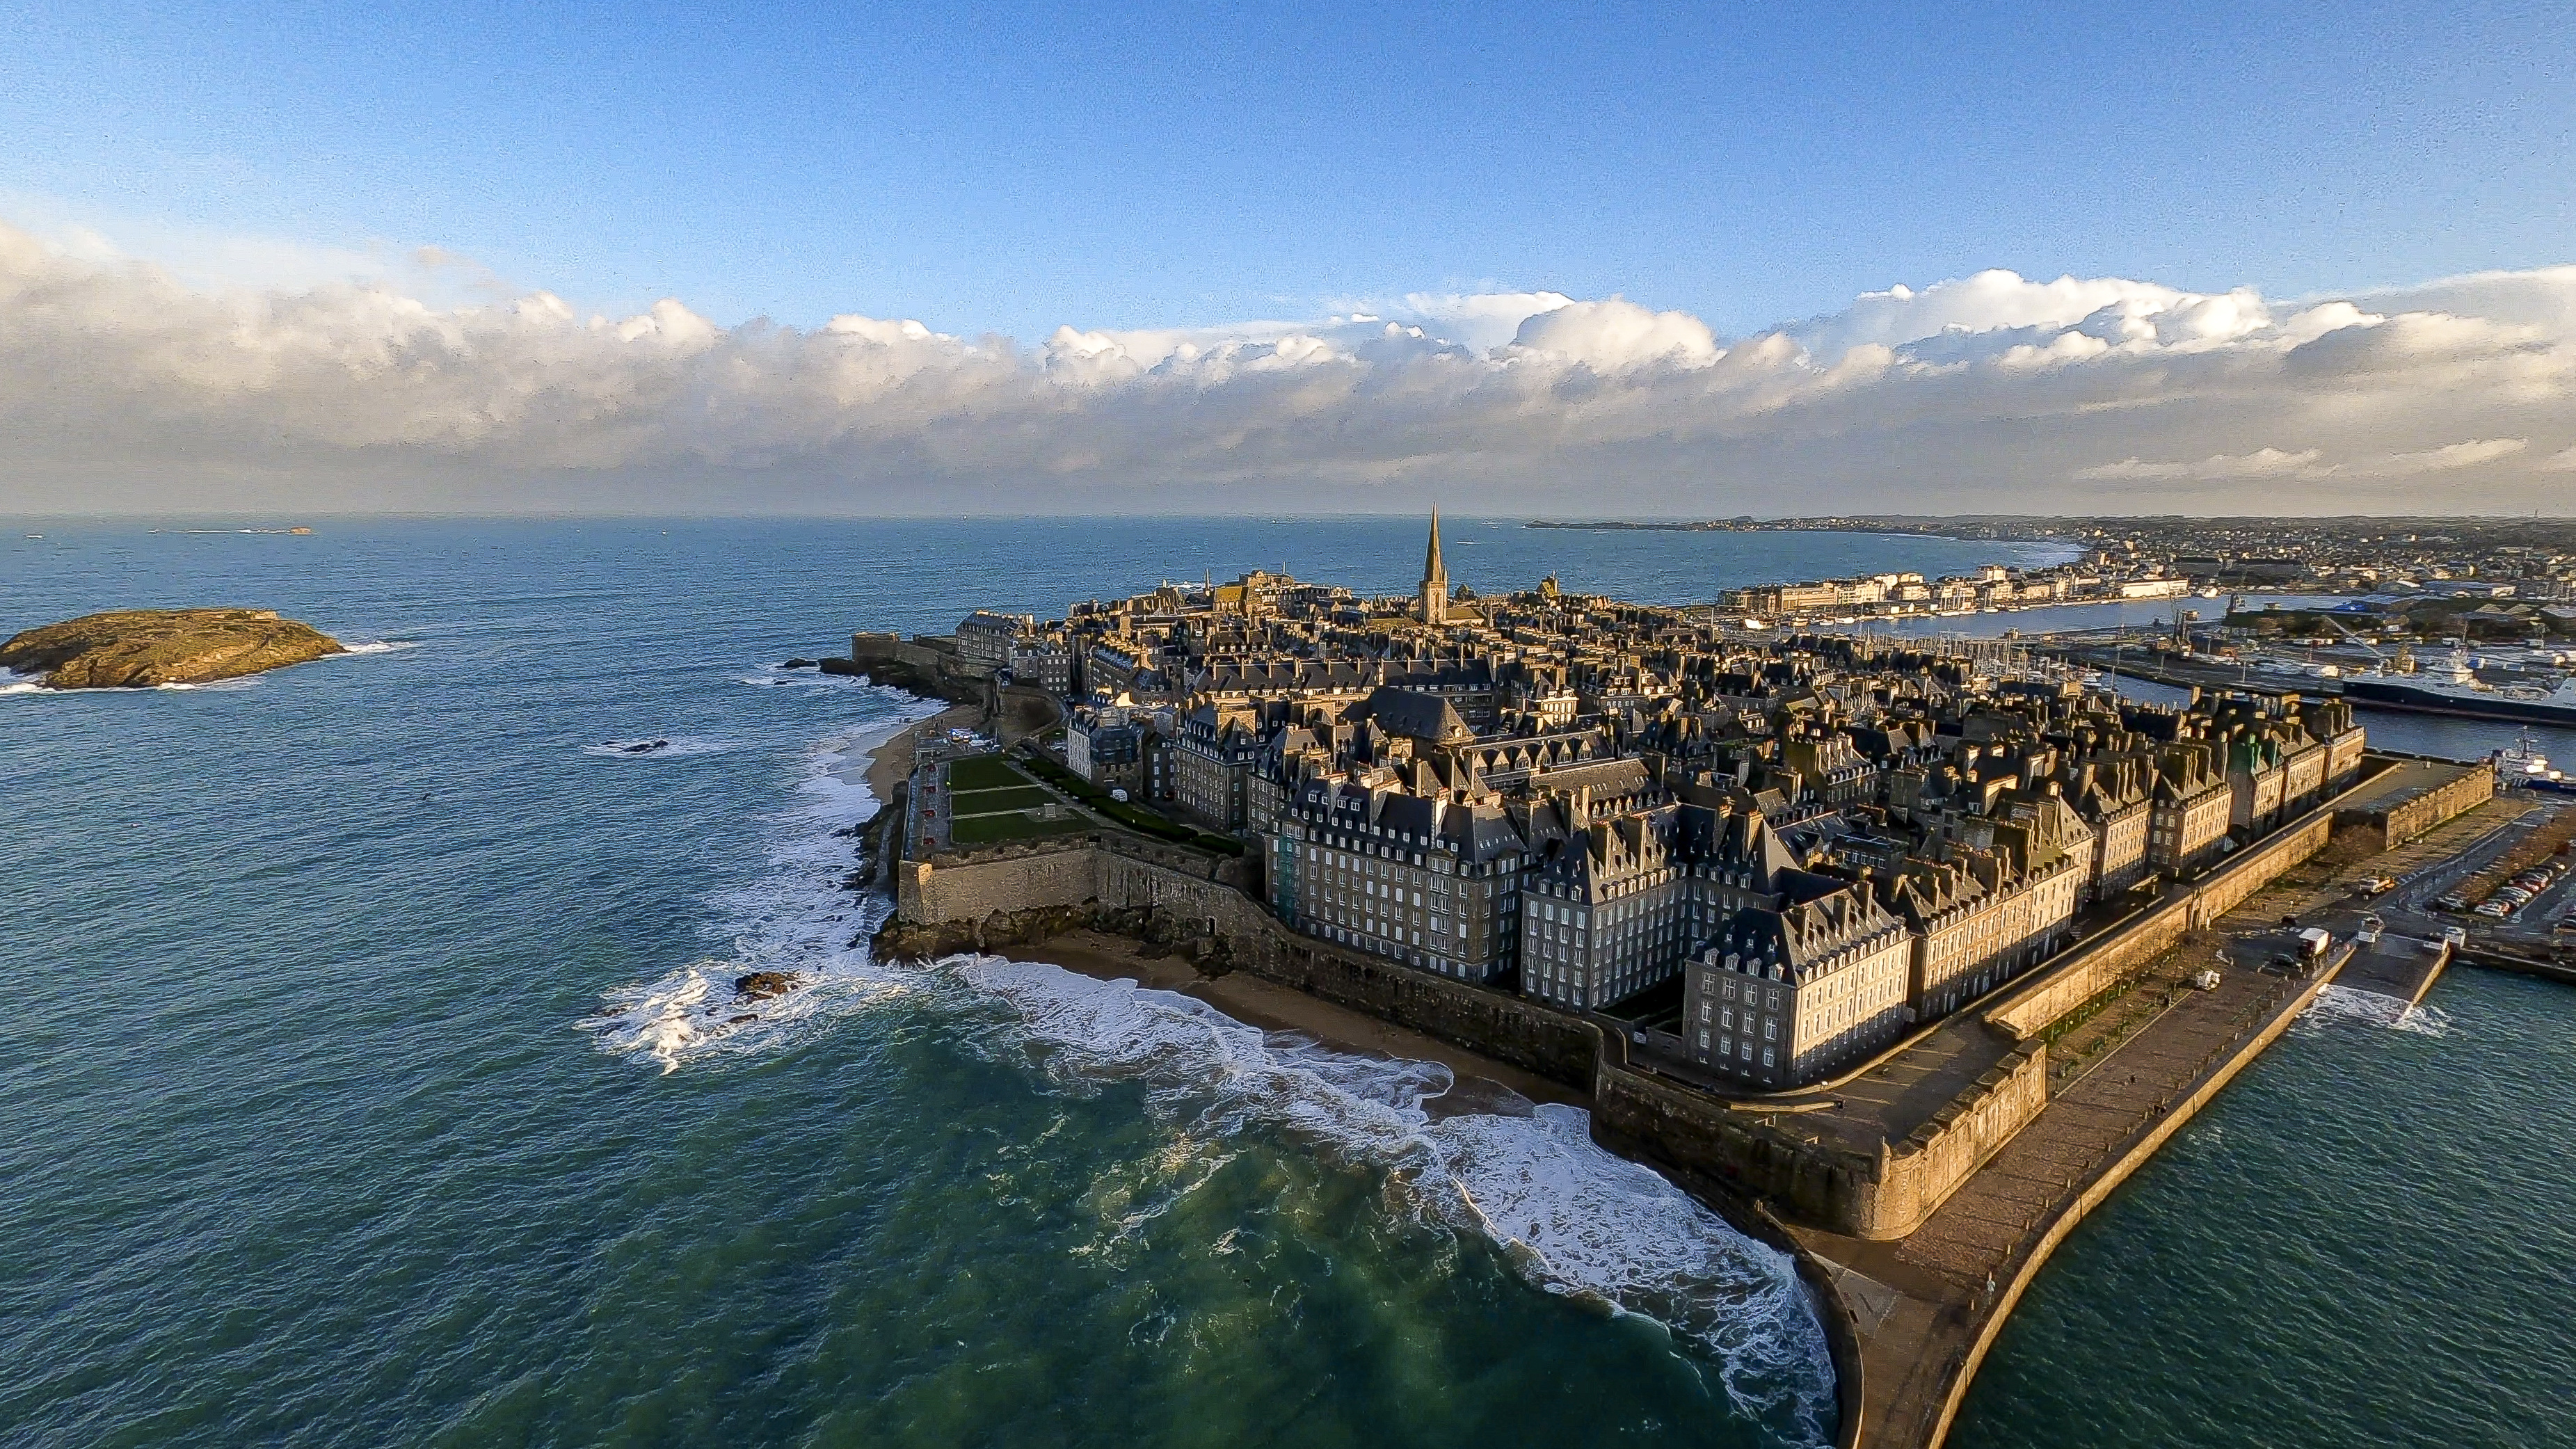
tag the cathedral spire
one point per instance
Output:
(1435, 578)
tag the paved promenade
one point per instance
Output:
(2125, 1074)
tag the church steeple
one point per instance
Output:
(1435, 579)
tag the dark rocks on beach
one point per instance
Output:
(797, 664)
(1157, 932)
(141, 648)
(762, 985)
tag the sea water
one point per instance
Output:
(375, 1072)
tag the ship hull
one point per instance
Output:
(2380, 694)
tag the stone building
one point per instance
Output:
(984, 637)
(1797, 993)
(1431, 882)
(1605, 913)
(2192, 805)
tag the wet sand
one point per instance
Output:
(1482, 1085)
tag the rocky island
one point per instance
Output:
(141, 648)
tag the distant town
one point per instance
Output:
(2522, 567)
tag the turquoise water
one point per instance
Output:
(2365, 1241)
(373, 1078)
(372, 1074)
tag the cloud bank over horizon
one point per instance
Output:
(125, 389)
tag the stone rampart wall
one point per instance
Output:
(2403, 822)
(1060, 872)
(1646, 1116)
(1879, 1197)
(2107, 1177)
(2095, 966)
(1943, 1153)
(1115, 872)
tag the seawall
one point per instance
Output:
(2095, 1191)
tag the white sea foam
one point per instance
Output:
(778, 677)
(657, 747)
(1575, 1218)
(377, 646)
(798, 918)
(1570, 1216)
(2350, 1006)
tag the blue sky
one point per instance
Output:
(1009, 169)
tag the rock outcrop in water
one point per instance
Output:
(140, 648)
(762, 985)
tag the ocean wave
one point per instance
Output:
(778, 677)
(1573, 1217)
(21, 684)
(798, 918)
(1570, 1216)
(657, 747)
(376, 646)
(2350, 1006)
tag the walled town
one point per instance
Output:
(1771, 859)
(1901, 954)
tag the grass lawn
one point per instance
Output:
(985, 829)
(983, 772)
(977, 802)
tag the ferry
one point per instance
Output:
(2457, 690)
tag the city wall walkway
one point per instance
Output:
(2124, 1079)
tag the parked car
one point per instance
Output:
(2451, 901)
(2454, 936)
(2493, 909)
(2374, 885)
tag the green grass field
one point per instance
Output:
(986, 829)
(977, 802)
(983, 772)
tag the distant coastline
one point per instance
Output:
(1960, 530)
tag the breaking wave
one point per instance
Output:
(799, 919)
(2349, 1006)
(1570, 1216)
(1573, 1217)
(21, 684)
(376, 646)
(778, 677)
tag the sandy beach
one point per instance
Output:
(890, 762)
(1483, 1084)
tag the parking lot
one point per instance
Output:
(2449, 888)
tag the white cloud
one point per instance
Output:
(124, 385)
(2450, 457)
(2262, 463)
(1616, 335)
